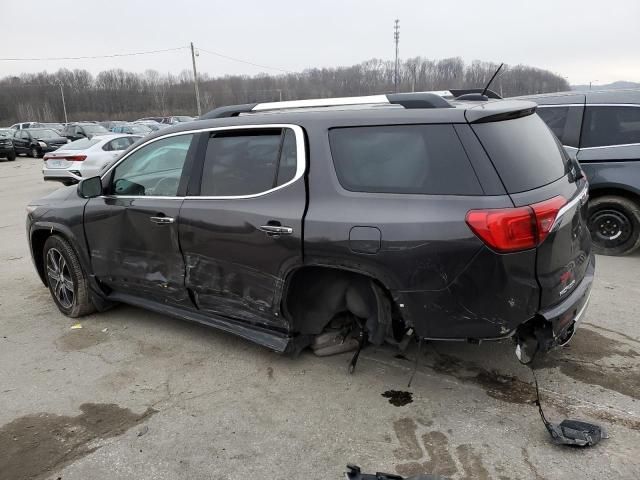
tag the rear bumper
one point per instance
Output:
(566, 316)
(58, 175)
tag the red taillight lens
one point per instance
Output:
(70, 158)
(513, 229)
(546, 213)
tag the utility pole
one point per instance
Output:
(396, 37)
(64, 105)
(195, 79)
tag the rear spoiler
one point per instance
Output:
(457, 92)
(499, 111)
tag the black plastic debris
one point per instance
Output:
(398, 398)
(354, 473)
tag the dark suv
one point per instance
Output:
(602, 130)
(282, 222)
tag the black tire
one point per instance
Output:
(33, 152)
(614, 223)
(11, 157)
(70, 291)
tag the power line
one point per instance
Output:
(93, 56)
(243, 61)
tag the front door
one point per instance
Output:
(241, 225)
(132, 231)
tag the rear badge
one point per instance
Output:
(568, 287)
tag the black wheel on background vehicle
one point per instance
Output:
(34, 152)
(11, 157)
(614, 223)
(67, 282)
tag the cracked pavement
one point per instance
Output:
(138, 395)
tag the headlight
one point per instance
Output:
(42, 144)
(31, 208)
(68, 141)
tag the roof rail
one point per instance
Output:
(406, 100)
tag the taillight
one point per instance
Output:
(514, 229)
(70, 158)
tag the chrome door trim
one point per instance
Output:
(301, 160)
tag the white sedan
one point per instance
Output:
(85, 158)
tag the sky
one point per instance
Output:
(581, 40)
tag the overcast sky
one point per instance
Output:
(582, 40)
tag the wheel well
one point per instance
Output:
(314, 295)
(38, 239)
(601, 192)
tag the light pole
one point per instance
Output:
(64, 105)
(195, 79)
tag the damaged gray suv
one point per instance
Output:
(334, 222)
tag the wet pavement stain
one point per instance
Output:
(75, 340)
(398, 398)
(584, 359)
(34, 446)
(471, 463)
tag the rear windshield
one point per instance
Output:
(524, 152)
(82, 144)
(422, 159)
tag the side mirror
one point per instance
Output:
(90, 187)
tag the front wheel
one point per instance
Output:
(67, 282)
(34, 152)
(11, 157)
(614, 223)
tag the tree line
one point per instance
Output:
(119, 95)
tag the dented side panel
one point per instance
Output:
(130, 253)
(233, 268)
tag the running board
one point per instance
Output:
(278, 342)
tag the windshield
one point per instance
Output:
(95, 129)
(55, 126)
(82, 144)
(43, 133)
(143, 129)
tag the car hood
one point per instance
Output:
(56, 196)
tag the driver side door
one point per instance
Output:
(132, 230)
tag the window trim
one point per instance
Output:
(301, 160)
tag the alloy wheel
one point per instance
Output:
(62, 285)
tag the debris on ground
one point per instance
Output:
(76, 326)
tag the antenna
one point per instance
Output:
(492, 78)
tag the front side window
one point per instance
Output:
(412, 159)
(239, 163)
(610, 125)
(153, 170)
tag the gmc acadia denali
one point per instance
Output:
(294, 224)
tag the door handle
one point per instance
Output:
(162, 220)
(275, 230)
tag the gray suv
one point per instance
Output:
(334, 222)
(601, 129)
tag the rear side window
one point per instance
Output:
(610, 125)
(564, 122)
(410, 159)
(248, 162)
(523, 151)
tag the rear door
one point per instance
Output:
(534, 168)
(241, 224)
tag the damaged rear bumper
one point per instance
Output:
(566, 316)
(555, 326)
